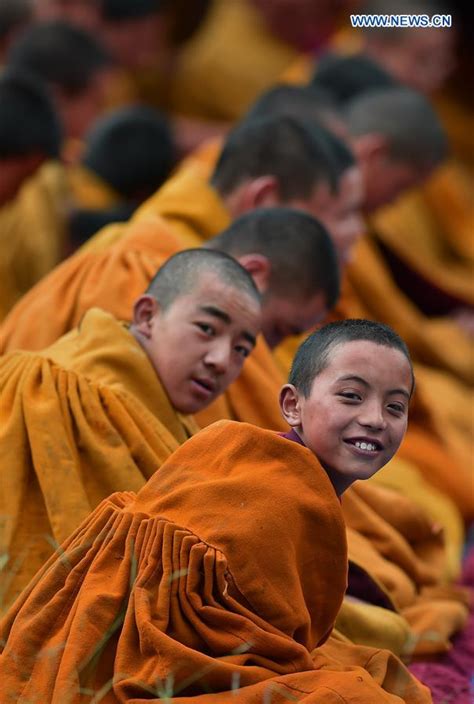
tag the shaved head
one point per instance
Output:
(183, 272)
(314, 354)
(306, 103)
(347, 77)
(406, 119)
(296, 153)
(302, 256)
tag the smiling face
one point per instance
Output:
(355, 416)
(200, 342)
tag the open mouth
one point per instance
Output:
(365, 446)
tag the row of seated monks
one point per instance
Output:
(235, 422)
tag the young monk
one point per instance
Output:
(101, 390)
(30, 135)
(127, 155)
(74, 64)
(220, 581)
(265, 163)
(102, 407)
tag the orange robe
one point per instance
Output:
(154, 596)
(424, 248)
(439, 437)
(188, 212)
(403, 553)
(81, 419)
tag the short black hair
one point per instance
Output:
(28, 120)
(14, 13)
(406, 119)
(296, 153)
(132, 149)
(116, 10)
(346, 77)
(181, 273)
(313, 355)
(60, 53)
(299, 248)
(302, 102)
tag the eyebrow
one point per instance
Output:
(353, 377)
(225, 317)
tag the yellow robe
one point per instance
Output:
(32, 233)
(81, 419)
(231, 60)
(428, 245)
(113, 277)
(89, 191)
(206, 586)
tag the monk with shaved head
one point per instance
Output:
(220, 581)
(101, 409)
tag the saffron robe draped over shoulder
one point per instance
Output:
(80, 420)
(187, 213)
(214, 584)
(402, 557)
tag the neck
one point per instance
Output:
(340, 482)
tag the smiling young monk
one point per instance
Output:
(101, 409)
(220, 581)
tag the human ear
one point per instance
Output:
(290, 405)
(261, 192)
(370, 147)
(259, 267)
(144, 310)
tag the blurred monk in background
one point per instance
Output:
(30, 143)
(265, 163)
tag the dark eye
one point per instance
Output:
(206, 328)
(397, 408)
(244, 351)
(350, 395)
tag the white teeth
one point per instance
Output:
(365, 445)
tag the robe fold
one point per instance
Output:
(437, 343)
(32, 233)
(187, 213)
(390, 538)
(82, 419)
(207, 586)
(418, 252)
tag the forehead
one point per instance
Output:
(211, 289)
(377, 364)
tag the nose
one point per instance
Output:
(218, 356)
(372, 416)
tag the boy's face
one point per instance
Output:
(198, 345)
(356, 414)
(340, 212)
